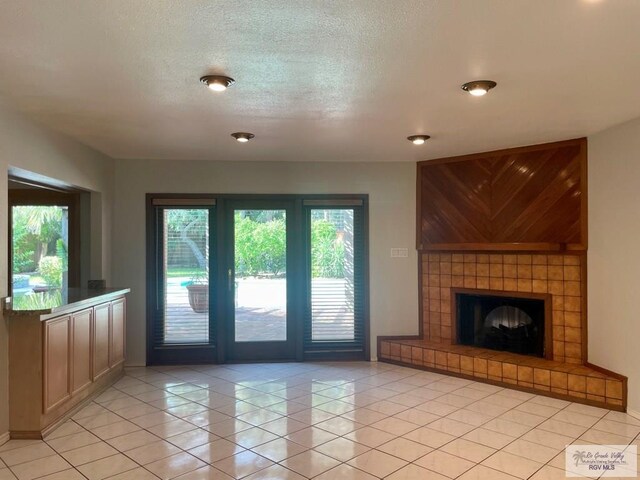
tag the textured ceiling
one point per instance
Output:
(319, 80)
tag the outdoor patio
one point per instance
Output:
(261, 312)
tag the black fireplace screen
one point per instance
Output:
(501, 323)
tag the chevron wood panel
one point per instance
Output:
(456, 202)
(530, 197)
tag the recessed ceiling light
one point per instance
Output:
(478, 88)
(418, 139)
(217, 83)
(242, 137)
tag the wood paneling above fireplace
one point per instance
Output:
(529, 198)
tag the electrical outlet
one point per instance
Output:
(399, 253)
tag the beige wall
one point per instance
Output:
(391, 189)
(28, 147)
(614, 222)
(614, 253)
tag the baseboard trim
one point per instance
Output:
(26, 435)
(4, 438)
(633, 413)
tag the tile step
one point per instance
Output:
(578, 383)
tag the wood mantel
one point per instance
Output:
(521, 199)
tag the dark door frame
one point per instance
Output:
(218, 352)
(266, 350)
(169, 354)
(340, 350)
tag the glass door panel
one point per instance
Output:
(185, 270)
(260, 283)
(332, 275)
(259, 280)
(181, 305)
(337, 280)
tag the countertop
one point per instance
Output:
(57, 302)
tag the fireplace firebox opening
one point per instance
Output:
(502, 321)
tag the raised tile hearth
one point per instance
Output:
(579, 383)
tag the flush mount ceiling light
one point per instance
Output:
(217, 83)
(478, 88)
(418, 139)
(242, 137)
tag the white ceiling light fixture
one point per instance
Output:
(418, 139)
(217, 83)
(479, 88)
(242, 137)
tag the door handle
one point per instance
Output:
(230, 278)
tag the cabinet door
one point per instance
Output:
(57, 333)
(81, 345)
(101, 340)
(117, 332)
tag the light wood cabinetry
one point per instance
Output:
(101, 340)
(58, 359)
(82, 328)
(117, 347)
(57, 373)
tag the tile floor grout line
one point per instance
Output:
(390, 392)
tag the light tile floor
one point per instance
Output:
(324, 421)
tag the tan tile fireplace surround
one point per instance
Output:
(510, 223)
(559, 276)
(563, 374)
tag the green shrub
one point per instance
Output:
(23, 261)
(24, 248)
(50, 269)
(260, 246)
(62, 253)
(327, 256)
(38, 301)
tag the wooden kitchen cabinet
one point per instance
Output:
(117, 348)
(101, 340)
(61, 356)
(57, 348)
(81, 336)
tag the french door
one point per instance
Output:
(181, 281)
(263, 280)
(235, 278)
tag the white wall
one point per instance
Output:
(29, 147)
(391, 189)
(614, 253)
